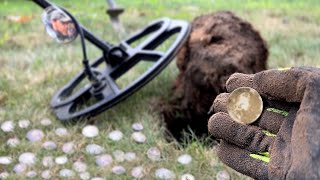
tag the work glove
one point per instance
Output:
(284, 143)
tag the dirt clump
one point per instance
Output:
(219, 45)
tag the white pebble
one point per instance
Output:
(27, 158)
(103, 160)
(31, 174)
(184, 159)
(45, 122)
(137, 172)
(130, 156)
(49, 145)
(137, 126)
(223, 175)
(13, 142)
(90, 131)
(47, 161)
(116, 135)
(7, 126)
(35, 135)
(46, 174)
(84, 176)
(97, 178)
(154, 154)
(61, 160)
(79, 166)
(4, 175)
(94, 149)
(164, 173)
(138, 137)
(66, 173)
(61, 132)
(118, 155)
(24, 123)
(118, 170)
(5, 160)
(187, 177)
(68, 148)
(19, 168)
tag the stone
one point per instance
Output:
(4, 175)
(94, 149)
(24, 123)
(130, 156)
(35, 135)
(45, 122)
(97, 178)
(84, 176)
(49, 145)
(115, 135)
(68, 148)
(66, 173)
(27, 158)
(7, 126)
(46, 174)
(137, 127)
(138, 137)
(137, 172)
(184, 159)
(13, 142)
(61, 160)
(31, 174)
(223, 175)
(118, 170)
(79, 166)
(154, 154)
(163, 173)
(187, 177)
(61, 132)
(48, 161)
(5, 160)
(119, 155)
(19, 168)
(90, 131)
(103, 160)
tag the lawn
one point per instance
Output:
(33, 67)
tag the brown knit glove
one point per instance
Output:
(285, 142)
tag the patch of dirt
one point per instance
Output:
(220, 44)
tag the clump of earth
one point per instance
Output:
(219, 45)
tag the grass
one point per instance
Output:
(33, 68)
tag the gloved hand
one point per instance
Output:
(285, 141)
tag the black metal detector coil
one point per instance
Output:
(78, 100)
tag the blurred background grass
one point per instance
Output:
(33, 67)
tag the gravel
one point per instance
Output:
(115, 135)
(90, 131)
(35, 135)
(185, 159)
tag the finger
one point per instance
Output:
(240, 160)
(274, 84)
(252, 138)
(220, 103)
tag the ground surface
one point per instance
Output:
(33, 67)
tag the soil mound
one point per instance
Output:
(220, 44)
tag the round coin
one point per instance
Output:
(244, 105)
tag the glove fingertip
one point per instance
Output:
(220, 103)
(237, 80)
(214, 123)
